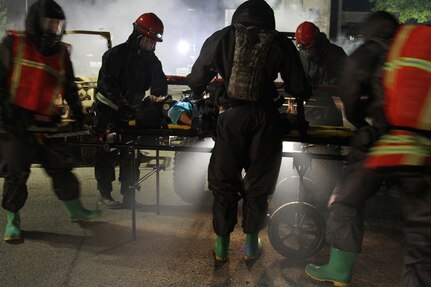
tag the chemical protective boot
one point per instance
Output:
(221, 248)
(338, 270)
(77, 212)
(13, 227)
(253, 247)
(107, 201)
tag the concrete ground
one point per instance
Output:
(171, 249)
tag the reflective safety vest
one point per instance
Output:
(35, 81)
(407, 84)
(399, 148)
(407, 78)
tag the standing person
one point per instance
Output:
(128, 71)
(322, 60)
(35, 68)
(404, 152)
(362, 77)
(248, 55)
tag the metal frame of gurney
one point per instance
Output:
(159, 140)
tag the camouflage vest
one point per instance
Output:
(248, 71)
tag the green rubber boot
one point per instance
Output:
(13, 227)
(221, 248)
(338, 270)
(77, 212)
(253, 247)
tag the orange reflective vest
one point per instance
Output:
(407, 84)
(35, 81)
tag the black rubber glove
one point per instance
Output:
(127, 112)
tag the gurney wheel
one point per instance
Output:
(296, 230)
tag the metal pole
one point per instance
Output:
(26, 7)
(133, 154)
(158, 181)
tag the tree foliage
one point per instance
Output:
(409, 11)
(3, 17)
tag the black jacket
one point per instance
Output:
(326, 65)
(216, 56)
(361, 89)
(126, 74)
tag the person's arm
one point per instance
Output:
(109, 81)
(71, 92)
(159, 83)
(203, 70)
(185, 119)
(355, 84)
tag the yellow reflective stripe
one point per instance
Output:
(425, 113)
(392, 150)
(60, 82)
(106, 101)
(395, 51)
(41, 66)
(404, 139)
(17, 67)
(413, 159)
(408, 62)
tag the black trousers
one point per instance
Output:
(248, 139)
(106, 161)
(19, 154)
(104, 170)
(345, 224)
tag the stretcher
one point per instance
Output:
(170, 139)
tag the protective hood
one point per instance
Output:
(133, 45)
(255, 13)
(38, 10)
(379, 25)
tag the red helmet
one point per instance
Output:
(150, 26)
(306, 35)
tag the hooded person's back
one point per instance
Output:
(218, 52)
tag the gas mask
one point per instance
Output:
(52, 31)
(146, 44)
(308, 52)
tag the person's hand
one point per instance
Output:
(127, 112)
(156, 99)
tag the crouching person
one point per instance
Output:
(35, 68)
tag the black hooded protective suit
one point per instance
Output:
(361, 77)
(19, 147)
(125, 76)
(325, 67)
(248, 133)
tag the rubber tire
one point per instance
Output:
(283, 217)
(319, 181)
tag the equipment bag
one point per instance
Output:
(248, 74)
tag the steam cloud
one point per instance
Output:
(191, 25)
(186, 22)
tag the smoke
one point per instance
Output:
(186, 26)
